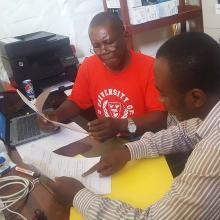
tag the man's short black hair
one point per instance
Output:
(194, 62)
(103, 18)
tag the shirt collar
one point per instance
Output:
(211, 121)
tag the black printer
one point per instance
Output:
(43, 57)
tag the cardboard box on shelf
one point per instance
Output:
(137, 15)
(152, 12)
(167, 8)
(134, 3)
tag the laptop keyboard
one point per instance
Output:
(27, 127)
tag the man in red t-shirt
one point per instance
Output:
(117, 82)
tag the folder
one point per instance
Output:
(140, 183)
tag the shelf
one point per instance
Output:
(188, 13)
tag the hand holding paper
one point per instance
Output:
(37, 106)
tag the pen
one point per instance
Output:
(28, 172)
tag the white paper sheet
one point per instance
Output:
(68, 92)
(37, 106)
(54, 165)
(54, 141)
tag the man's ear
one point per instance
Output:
(197, 98)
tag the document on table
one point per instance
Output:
(54, 165)
(37, 106)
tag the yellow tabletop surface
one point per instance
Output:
(140, 183)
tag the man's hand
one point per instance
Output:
(111, 162)
(44, 124)
(65, 189)
(104, 128)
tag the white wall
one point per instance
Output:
(150, 41)
(66, 17)
(211, 19)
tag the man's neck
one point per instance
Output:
(123, 64)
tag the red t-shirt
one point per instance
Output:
(130, 93)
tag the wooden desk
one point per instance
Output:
(41, 198)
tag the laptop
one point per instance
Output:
(20, 130)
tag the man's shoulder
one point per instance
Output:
(91, 60)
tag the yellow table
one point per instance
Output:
(140, 183)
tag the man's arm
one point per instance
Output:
(104, 128)
(67, 111)
(194, 194)
(152, 121)
(179, 138)
(64, 113)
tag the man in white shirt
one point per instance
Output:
(187, 75)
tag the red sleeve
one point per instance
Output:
(152, 94)
(80, 93)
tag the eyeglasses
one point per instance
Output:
(111, 47)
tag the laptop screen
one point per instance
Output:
(2, 126)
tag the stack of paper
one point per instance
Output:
(53, 165)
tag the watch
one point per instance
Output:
(131, 126)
